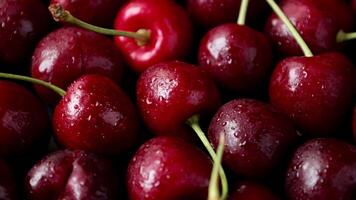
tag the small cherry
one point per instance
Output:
(252, 191)
(322, 169)
(67, 53)
(154, 31)
(72, 175)
(7, 183)
(22, 24)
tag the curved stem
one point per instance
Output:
(214, 193)
(142, 36)
(194, 123)
(342, 36)
(56, 89)
(306, 50)
(243, 12)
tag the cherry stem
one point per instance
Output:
(342, 36)
(56, 89)
(59, 14)
(214, 193)
(194, 123)
(243, 12)
(306, 50)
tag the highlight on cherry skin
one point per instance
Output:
(177, 99)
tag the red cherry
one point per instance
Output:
(238, 57)
(7, 183)
(67, 53)
(95, 115)
(168, 168)
(315, 92)
(252, 191)
(72, 175)
(170, 93)
(257, 136)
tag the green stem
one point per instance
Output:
(306, 50)
(142, 36)
(243, 12)
(214, 193)
(342, 36)
(35, 81)
(194, 123)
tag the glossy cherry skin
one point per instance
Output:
(322, 169)
(24, 121)
(72, 175)
(95, 115)
(316, 93)
(238, 57)
(168, 168)
(97, 12)
(7, 183)
(256, 136)
(22, 24)
(67, 53)
(211, 13)
(170, 27)
(252, 191)
(316, 25)
(170, 93)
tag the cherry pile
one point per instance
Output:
(172, 100)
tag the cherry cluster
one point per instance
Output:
(172, 100)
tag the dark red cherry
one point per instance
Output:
(315, 92)
(24, 121)
(170, 32)
(322, 169)
(168, 168)
(98, 12)
(170, 93)
(252, 191)
(67, 53)
(257, 136)
(72, 175)
(22, 24)
(238, 57)
(7, 183)
(95, 115)
(315, 23)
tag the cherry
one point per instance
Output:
(101, 13)
(72, 175)
(7, 183)
(322, 169)
(252, 191)
(168, 168)
(22, 24)
(67, 53)
(95, 115)
(257, 136)
(170, 93)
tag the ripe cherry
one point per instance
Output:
(7, 183)
(252, 191)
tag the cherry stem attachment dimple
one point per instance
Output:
(50, 86)
(243, 12)
(214, 193)
(303, 45)
(142, 36)
(342, 36)
(194, 123)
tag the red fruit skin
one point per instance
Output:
(22, 24)
(68, 53)
(170, 27)
(170, 93)
(316, 93)
(316, 25)
(7, 183)
(252, 191)
(72, 175)
(168, 168)
(97, 12)
(257, 136)
(238, 57)
(95, 115)
(322, 169)
(23, 120)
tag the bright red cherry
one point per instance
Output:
(315, 92)
(7, 183)
(170, 93)
(67, 53)
(97, 116)
(168, 168)
(72, 175)
(252, 191)
(238, 57)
